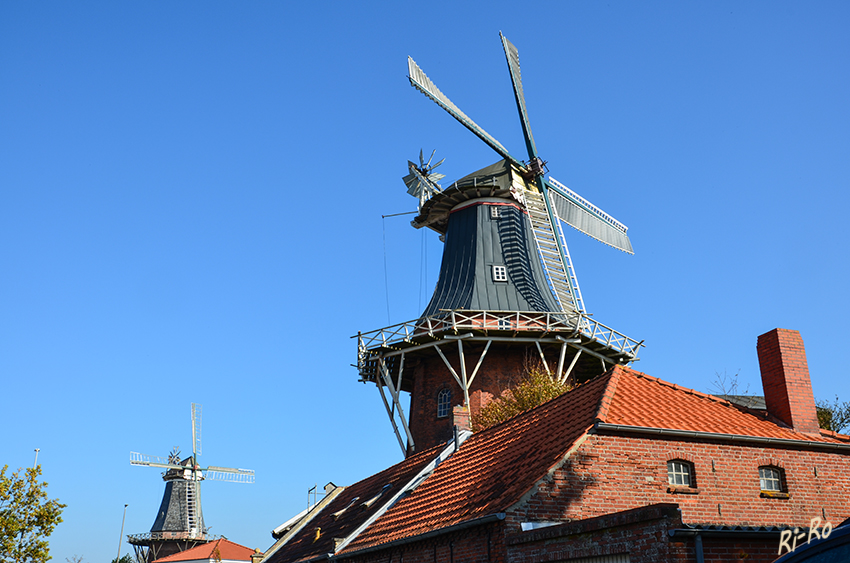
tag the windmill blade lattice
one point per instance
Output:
(196, 430)
(512, 55)
(583, 216)
(420, 81)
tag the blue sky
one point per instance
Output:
(192, 197)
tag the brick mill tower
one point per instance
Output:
(507, 293)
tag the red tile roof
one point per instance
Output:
(637, 399)
(305, 545)
(226, 550)
(495, 468)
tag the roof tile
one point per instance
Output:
(305, 544)
(226, 550)
(646, 401)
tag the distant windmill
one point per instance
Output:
(179, 524)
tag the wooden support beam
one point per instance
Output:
(478, 365)
(561, 357)
(392, 419)
(463, 373)
(572, 365)
(448, 365)
(385, 373)
(542, 357)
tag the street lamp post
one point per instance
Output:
(121, 536)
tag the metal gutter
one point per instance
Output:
(742, 534)
(427, 535)
(758, 440)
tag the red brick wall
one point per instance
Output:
(785, 378)
(613, 473)
(502, 367)
(642, 533)
(481, 544)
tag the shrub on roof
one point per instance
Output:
(535, 388)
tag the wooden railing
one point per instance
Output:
(568, 324)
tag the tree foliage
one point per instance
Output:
(126, 558)
(833, 416)
(27, 516)
(535, 388)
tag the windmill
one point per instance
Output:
(179, 524)
(507, 290)
(548, 202)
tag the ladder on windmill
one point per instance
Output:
(191, 505)
(559, 272)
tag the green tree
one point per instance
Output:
(535, 388)
(27, 517)
(126, 558)
(833, 416)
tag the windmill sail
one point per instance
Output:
(582, 215)
(512, 54)
(420, 81)
(229, 474)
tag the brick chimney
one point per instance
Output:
(461, 418)
(785, 378)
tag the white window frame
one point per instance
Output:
(680, 473)
(500, 273)
(770, 478)
(495, 211)
(444, 402)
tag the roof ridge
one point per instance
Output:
(450, 448)
(835, 435)
(678, 387)
(608, 393)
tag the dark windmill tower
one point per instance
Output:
(507, 290)
(179, 524)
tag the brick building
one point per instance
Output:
(624, 467)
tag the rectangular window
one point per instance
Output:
(770, 479)
(495, 211)
(500, 274)
(679, 473)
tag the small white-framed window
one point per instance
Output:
(444, 402)
(500, 273)
(770, 479)
(495, 211)
(680, 473)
